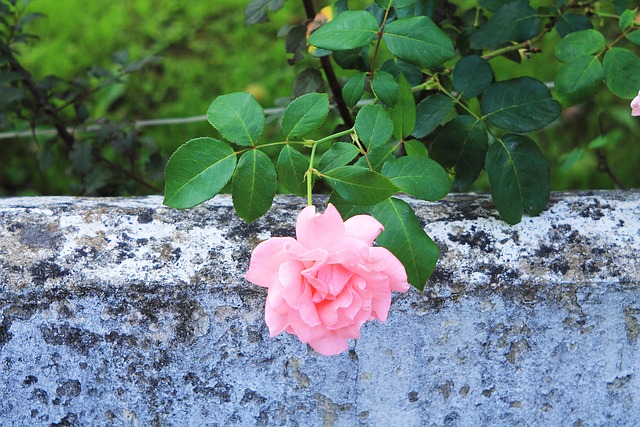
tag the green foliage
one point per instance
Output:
(238, 117)
(304, 115)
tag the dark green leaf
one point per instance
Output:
(256, 11)
(359, 185)
(348, 30)
(407, 240)
(338, 155)
(305, 114)
(461, 145)
(418, 41)
(373, 126)
(197, 171)
(419, 176)
(385, 87)
(81, 156)
(513, 22)
(518, 176)
(353, 59)
(519, 105)
(430, 112)
(354, 89)
(254, 185)
(580, 43)
(579, 80)
(292, 165)
(571, 22)
(308, 81)
(296, 43)
(403, 113)
(238, 117)
(346, 209)
(471, 76)
(622, 72)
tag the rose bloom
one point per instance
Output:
(635, 105)
(323, 285)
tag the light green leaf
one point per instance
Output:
(430, 112)
(238, 117)
(622, 72)
(348, 30)
(305, 114)
(353, 89)
(415, 148)
(580, 43)
(461, 145)
(579, 80)
(519, 105)
(407, 240)
(338, 155)
(518, 176)
(419, 176)
(385, 87)
(292, 165)
(254, 185)
(418, 40)
(626, 19)
(359, 185)
(471, 75)
(197, 171)
(403, 114)
(373, 126)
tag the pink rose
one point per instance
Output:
(635, 105)
(326, 283)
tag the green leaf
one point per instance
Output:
(396, 3)
(578, 44)
(385, 87)
(572, 22)
(419, 176)
(197, 171)
(305, 114)
(254, 185)
(430, 112)
(406, 239)
(403, 114)
(377, 156)
(292, 165)
(346, 209)
(634, 37)
(519, 105)
(471, 75)
(461, 145)
(579, 80)
(626, 19)
(622, 72)
(518, 176)
(359, 185)
(415, 148)
(308, 81)
(418, 40)
(513, 22)
(373, 126)
(348, 30)
(353, 89)
(256, 11)
(238, 117)
(338, 155)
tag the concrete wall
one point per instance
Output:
(127, 313)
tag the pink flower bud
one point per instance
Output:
(635, 105)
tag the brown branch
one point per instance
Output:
(330, 74)
(603, 166)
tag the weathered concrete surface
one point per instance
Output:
(125, 312)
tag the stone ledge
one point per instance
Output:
(125, 312)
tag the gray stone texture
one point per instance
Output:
(123, 312)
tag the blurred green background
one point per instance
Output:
(207, 51)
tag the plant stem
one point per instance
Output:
(330, 74)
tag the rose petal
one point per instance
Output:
(635, 105)
(266, 259)
(363, 227)
(392, 268)
(319, 230)
(329, 344)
